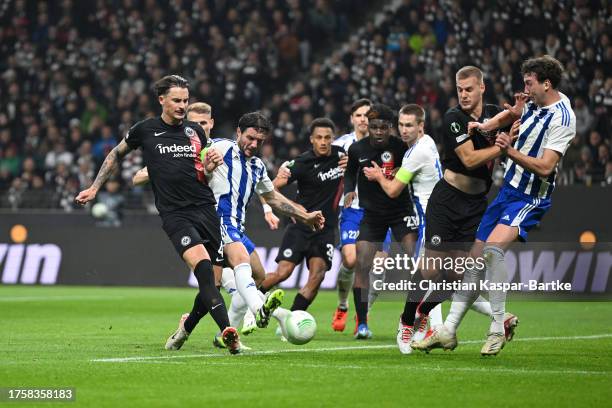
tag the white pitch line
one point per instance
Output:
(500, 370)
(250, 353)
(323, 349)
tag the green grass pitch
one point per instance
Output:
(108, 344)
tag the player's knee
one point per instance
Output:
(284, 273)
(492, 255)
(349, 259)
(317, 275)
(258, 277)
(203, 272)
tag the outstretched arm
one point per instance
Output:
(110, 164)
(280, 203)
(504, 118)
(269, 216)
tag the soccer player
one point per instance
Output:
(547, 126)
(318, 173)
(171, 150)
(457, 201)
(350, 218)
(234, 182)
(241, 175)
(421, 170)
(201, 113)
(381, 213)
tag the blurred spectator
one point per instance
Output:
(104, 144)
(10, 160)
(58, 155)
(37, 195)
(584, 118)
(113, 201)
(76, 75)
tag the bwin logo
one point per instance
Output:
(30, 264)
(331, 174)
(175, 148)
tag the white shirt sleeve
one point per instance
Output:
(222, 146)
(560, 136)
(264, 185)
(414, 159)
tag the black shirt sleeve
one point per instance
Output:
(352, 167)
(200, 131)
(297, 169)
(134, 136)
(454, 131)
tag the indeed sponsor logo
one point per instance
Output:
(175, 148)
(331, 174)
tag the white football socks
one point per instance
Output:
(246, 286)
(238, 307)
(345, 286)
(280, 314)
(435, 316)
(463, 299)
(497, 275)
(482, 306)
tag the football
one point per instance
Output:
(300, 327)
(99, 210)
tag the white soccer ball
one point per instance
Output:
(300, 327)
(99, 210)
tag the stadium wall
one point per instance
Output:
(70, 249)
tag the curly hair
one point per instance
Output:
(380, 111)
(255, 120)
(545, 67)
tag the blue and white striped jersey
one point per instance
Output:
(345, 141)
(234, 182)
(549, 127)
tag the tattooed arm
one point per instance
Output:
(280, 203)
(269, 216)
(108, 167)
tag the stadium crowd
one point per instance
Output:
(75, 75)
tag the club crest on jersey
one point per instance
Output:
(455, 127)
(189, 132)
(386, 157)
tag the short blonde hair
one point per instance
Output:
(469, 71)
(414, 109)
(200, 107)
